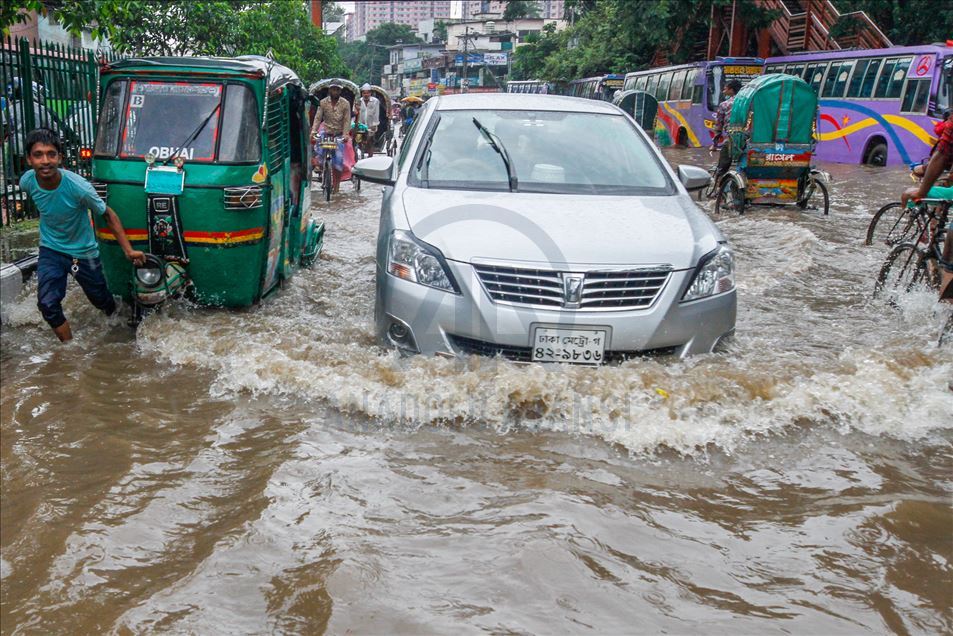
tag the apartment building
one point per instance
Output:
(548, 9)
(371, 14)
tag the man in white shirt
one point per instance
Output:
(368, 113)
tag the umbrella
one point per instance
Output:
(413, 98)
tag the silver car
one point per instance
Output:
(547, 229)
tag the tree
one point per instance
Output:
(904, 22)
(331, 11)
(440, 31)
(516, 9)
(365, 59)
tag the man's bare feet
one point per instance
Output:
(63, 332)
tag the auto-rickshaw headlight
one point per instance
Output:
(149, 273)
(179, 161)
(150, 158)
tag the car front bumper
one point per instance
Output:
(431, 321)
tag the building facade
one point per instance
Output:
(548, 9)
(371, 14)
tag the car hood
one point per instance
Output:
(560, 229)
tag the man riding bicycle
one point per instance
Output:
(335, 113)
(940, 162)
(721, 140)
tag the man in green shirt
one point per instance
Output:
(67, 242)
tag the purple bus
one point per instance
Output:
(878, 106)
(688, 95)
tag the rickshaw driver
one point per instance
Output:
(67, 242)
(368, 111)
(722, 116)
(336, 115)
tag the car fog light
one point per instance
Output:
(398, 332)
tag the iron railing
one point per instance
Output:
(45, 85)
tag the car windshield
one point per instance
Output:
(162, 115)
(554, 152)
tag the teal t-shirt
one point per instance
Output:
(64, 216)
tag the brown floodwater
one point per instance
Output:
(272, 471)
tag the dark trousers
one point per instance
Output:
(52, 271)
(724, 160)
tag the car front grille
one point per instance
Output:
(601, 290)
(473, 346)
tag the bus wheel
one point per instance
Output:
(876, 154)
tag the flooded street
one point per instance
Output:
(273, 471)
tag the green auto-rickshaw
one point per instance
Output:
(206, 162)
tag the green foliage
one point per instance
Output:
(616, 36)
(904, 22)
(198, 27)
(331, 11)
(516, 9)
(440, 31)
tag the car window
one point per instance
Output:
(557, 152)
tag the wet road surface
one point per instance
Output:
(271, 470)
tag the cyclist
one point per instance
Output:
(334, 113)
(940, 162)
(722, 117)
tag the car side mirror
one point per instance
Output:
(379, 169)
(693, 177)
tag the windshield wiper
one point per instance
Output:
(195, 133)
(498, 146)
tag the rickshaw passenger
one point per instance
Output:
(335, 113)
(368, 111)
(722, 116)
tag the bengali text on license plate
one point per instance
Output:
(574, 346)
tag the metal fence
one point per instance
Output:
(45, 85)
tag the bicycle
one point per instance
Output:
(911, 264)
(329, 144)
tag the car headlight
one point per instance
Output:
(418, 262)
(715, 274)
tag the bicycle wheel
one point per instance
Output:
(900, 272)
(327, 183)
(892, 224)
(729, 197)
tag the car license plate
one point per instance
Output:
(571, 346)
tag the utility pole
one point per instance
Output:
(465, 82)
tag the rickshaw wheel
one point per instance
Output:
(729, 197)
(816, 187)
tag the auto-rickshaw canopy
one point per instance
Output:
(276, 74)
(782, 108)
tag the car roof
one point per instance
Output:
(523, 101)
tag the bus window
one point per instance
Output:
(862, 83)
(814, 75)
(796, 70)
(640, 83)
(662, 93)
(651, 84)
(675, 92)
(689, 83)
(891, 79)
(916, 96)
(713, 77)
(944, 91)
(836, 80)
(629, 84)
(697, 91)
(774, 68)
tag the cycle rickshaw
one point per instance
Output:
(349, 91)
(772, 138)
(384, 140)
